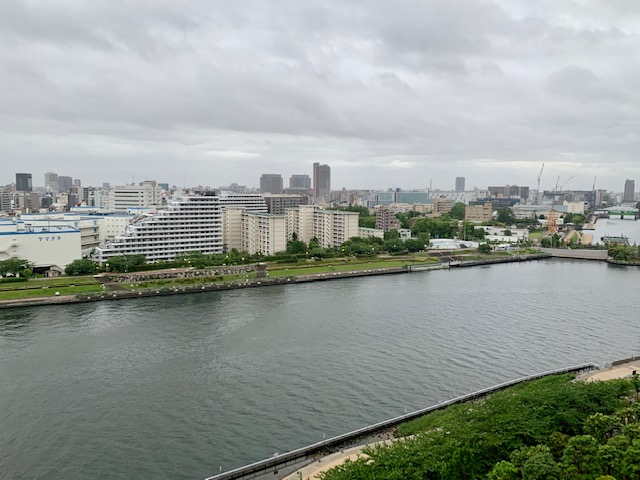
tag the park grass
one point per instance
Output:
(184, 282)
(336, 267)
(36, 283)
(49, 292)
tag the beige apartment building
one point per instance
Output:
(331, 227)
(478, 213)
(254, 232)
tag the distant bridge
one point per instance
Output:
(580, 254)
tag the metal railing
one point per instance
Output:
(333, 444)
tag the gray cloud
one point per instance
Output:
(390, 93)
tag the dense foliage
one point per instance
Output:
(551, 428)
(16, 266)
(81, 267)
(624, 253)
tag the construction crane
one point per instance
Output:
(539, 178)
(565, 182)
(552, 221)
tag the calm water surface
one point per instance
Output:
(176, 387)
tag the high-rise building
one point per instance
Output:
(321, 180)
(51, 182)
(64, 183)
(459, 184)
(77, 182)
(5, 200)
(301, 182)
(278, 204)
(271, 183)
(124, 197)
(24, 182)
(629, 191)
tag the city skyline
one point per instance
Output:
(387, 94)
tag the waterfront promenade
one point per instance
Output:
(578, 254)
(113, 290)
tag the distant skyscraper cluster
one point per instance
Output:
(318, 186)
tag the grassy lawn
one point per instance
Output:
(183, 282)
(341, 267)
(48, 292)
(47, 282)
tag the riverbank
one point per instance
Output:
(117, 292)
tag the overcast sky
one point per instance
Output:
(389, 93)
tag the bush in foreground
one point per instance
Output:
(550, 428)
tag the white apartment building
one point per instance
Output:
(43, 246)
(126, 196)
(189, 224)
(331, 227)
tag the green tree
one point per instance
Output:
(506, 216)
(296, 247)
(125, 263)
(457, 211)
(581, 456)
(14, 266)
(540, 466)
(368, 221)
(484, 248)
(391, 234)
(81, 266)
(504, 471)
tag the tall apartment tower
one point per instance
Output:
(271, 183)
(629, 191)
(24, 182)
(459, 184)
(321, 180)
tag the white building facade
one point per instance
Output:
(189, 224)
(43, 246)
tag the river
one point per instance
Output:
(175, 387)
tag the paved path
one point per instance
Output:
(311, 471)
(582, 254)
(619, 371)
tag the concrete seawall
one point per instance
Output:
(254, 283)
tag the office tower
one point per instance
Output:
(24, 182)
(64, 183)
(300, 182)
(51, 182)
(321, 180)
(629, 191)
(271, 183)
(123, 197)
(77, 182)
(459, 184)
